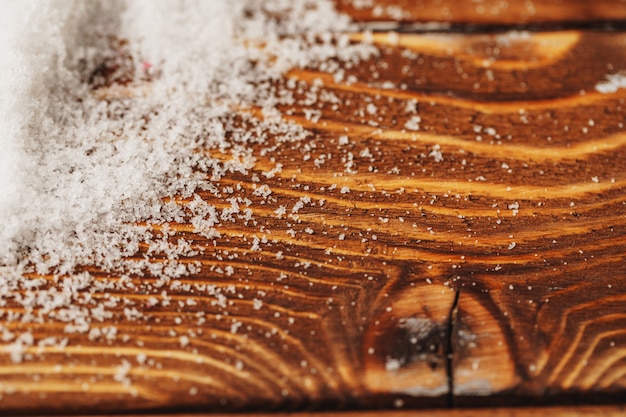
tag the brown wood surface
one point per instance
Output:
(556, 411)
(486, 12)
(407, 290)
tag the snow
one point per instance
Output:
(70, 159)
(612, 83)
(112, 111)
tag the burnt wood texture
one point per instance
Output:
(486, 12)
(557, 411)
(462, 241)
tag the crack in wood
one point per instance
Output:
(451, 328)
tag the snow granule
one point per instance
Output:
(413, 123)
(612, 83)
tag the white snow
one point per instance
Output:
(111, 110)
(76, 169)
(612, 83)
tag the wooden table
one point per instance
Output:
(471, 256)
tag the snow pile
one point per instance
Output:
(113, 111)
(79, 171)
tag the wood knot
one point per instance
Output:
(405, 344)
(417, 339)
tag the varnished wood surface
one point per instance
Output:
(485, 12)
(479, 259)
(598, 411)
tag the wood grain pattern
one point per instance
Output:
(579, 411)
(479, 257)
(485, 12)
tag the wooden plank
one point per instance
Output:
(485, 12)
(605, 411)
(473, 254)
